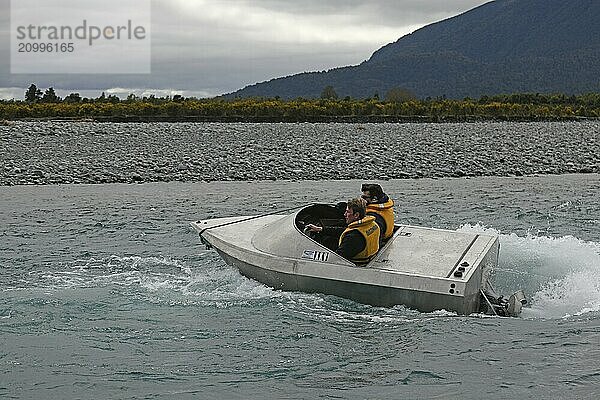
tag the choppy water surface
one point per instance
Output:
(107, 293)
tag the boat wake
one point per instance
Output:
(561, 276)
(202, 281)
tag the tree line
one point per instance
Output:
(396, 103)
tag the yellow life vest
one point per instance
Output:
(386, 210)
(370, 231)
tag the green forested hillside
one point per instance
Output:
(505, 46)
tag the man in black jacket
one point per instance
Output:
(359, 240)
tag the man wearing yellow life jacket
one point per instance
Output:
(381, 207)
(359, 242)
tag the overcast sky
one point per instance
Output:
(208, 47)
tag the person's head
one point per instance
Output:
(371, 192)
(355, 210)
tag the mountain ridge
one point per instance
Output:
(503, 46)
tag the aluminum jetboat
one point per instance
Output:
(421, 268)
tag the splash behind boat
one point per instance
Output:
(425, 269)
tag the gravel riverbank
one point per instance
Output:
(87, 152)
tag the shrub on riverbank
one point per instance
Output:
(509, 107)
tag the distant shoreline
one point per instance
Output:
(353, 119)
(515, 108)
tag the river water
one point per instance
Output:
(106, 292)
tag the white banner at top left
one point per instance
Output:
(80, 36)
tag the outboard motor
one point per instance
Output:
(516, 301)
(499, 305)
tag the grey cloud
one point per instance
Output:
(214, 55)
(386, 12)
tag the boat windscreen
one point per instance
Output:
(321, 215)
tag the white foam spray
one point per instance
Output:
(561, 275)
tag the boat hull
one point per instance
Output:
(374, 295)
(425, 269)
